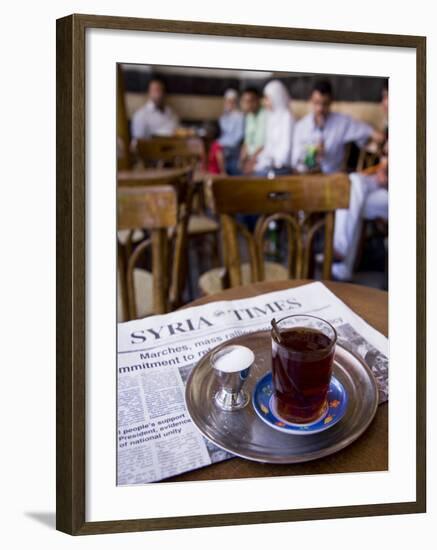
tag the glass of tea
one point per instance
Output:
(303, 349)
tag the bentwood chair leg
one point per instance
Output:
(215, 250)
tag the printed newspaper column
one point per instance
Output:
(156, 438)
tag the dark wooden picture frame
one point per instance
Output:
(71, 246)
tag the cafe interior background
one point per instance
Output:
(170, 230)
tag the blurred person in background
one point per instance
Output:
(231, 131)
(376, 204)
(384, 106)
(274, 158)
(216, 158)
(254, 129)
(383, 145)
(321, 136)
(155, 117)
(368, 201)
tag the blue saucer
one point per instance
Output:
(264, 405)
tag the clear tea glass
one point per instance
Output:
(303, 349)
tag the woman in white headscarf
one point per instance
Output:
(275, 156)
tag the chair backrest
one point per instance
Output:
(304, 203)
(171, 151)
(156, 210)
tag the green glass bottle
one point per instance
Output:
(310, 159)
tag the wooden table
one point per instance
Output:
(144, 175)
(163, 176)
(137, 176)
(369, 452)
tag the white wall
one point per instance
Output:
(27, 216)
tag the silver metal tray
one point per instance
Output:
(243, 434)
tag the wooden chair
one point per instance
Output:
(181, 180)
(156, 210)
(303, 203)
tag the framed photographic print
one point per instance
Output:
(240, 274)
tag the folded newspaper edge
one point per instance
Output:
(156, 437)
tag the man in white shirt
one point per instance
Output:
(368, 200)
(321, 136)
(154, 118)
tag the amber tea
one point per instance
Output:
(302, 360)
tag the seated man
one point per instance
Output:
(254, 130)
(154, 118)
(368, 200)
(321, 136)
(231, 131)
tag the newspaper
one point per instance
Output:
(156, 438)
